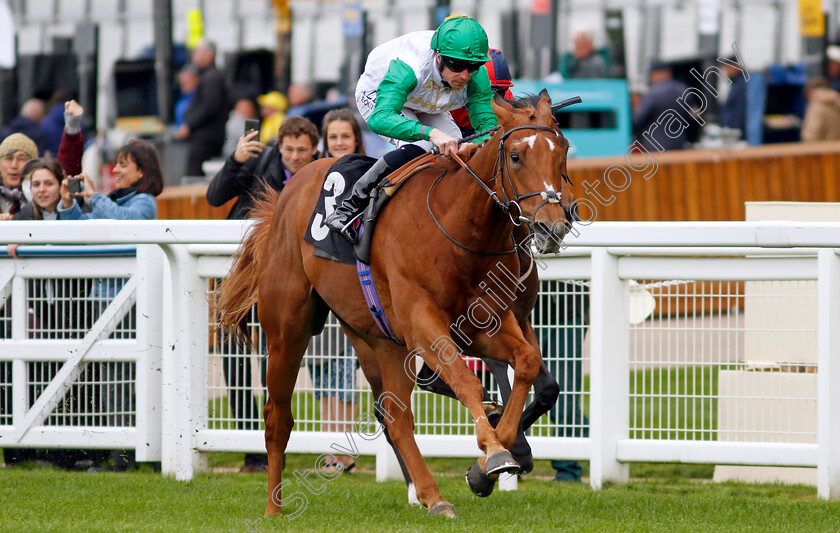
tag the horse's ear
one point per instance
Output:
(544, 110)
(544, 94)
(501, 106)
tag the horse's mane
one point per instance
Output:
(525, 102)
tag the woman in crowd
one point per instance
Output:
(45, 176)
(139, 180)
(334, 374)
(341, 134)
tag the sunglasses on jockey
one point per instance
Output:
(457, 65)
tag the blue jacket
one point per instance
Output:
(660, 98)
(53, 127)
(132, 206)
(733, 112)
(31, 129)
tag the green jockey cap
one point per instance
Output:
(461, 37)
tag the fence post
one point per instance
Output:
(828, 374)
(184, 365)
(150, 265)
(609, 412)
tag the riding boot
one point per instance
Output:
(358, 199)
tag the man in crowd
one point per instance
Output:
(15, 151)
(204, 121)
(587, 62)
(662, 95)
(28, 122)
(822, 116)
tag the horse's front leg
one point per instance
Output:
(510, 345)
(429, 334)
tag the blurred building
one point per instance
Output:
(767, 32)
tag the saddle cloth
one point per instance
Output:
(338, 183)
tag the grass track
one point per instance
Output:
(42, 499)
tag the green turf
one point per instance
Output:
(42, 499)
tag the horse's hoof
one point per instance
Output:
(526, 463)
(478, 482)
(501, 462)
(442, 508)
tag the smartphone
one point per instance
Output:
(75, 185)
(251, 125)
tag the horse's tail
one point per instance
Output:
(237, 294)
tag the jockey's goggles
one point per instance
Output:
(458, 65)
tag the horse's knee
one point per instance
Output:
(526, 364)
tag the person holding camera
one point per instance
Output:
(253, 163)
(139, 180)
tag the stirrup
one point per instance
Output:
(347, 231)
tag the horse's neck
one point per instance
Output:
(473, 214)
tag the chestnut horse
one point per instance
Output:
(438, 244)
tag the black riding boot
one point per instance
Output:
(358, 199)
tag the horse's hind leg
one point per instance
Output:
(289, 318)
(393, 403)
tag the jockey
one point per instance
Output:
(406, 92)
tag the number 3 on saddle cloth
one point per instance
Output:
(338, 184)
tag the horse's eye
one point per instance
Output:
(514, 156)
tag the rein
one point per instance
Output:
(548, 196)
(450, 237)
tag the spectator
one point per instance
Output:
(273, 108)
(204, 120)
(733, 112)
(341, 134)
(28, 122)
(822, 116)
(242, 172)
(188, 80)
(53, 123)
(662, 95)
(833, 55)
(243, 110)
(139, 180)
(249, 168)
(15, 151)
(300, 94)
(72, 146)
(69, 161)
(45, 176)
(586, 61)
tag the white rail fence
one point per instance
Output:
(704, 343)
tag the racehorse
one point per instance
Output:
(437, 244)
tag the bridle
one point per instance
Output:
(509, 205)
(548, 196)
